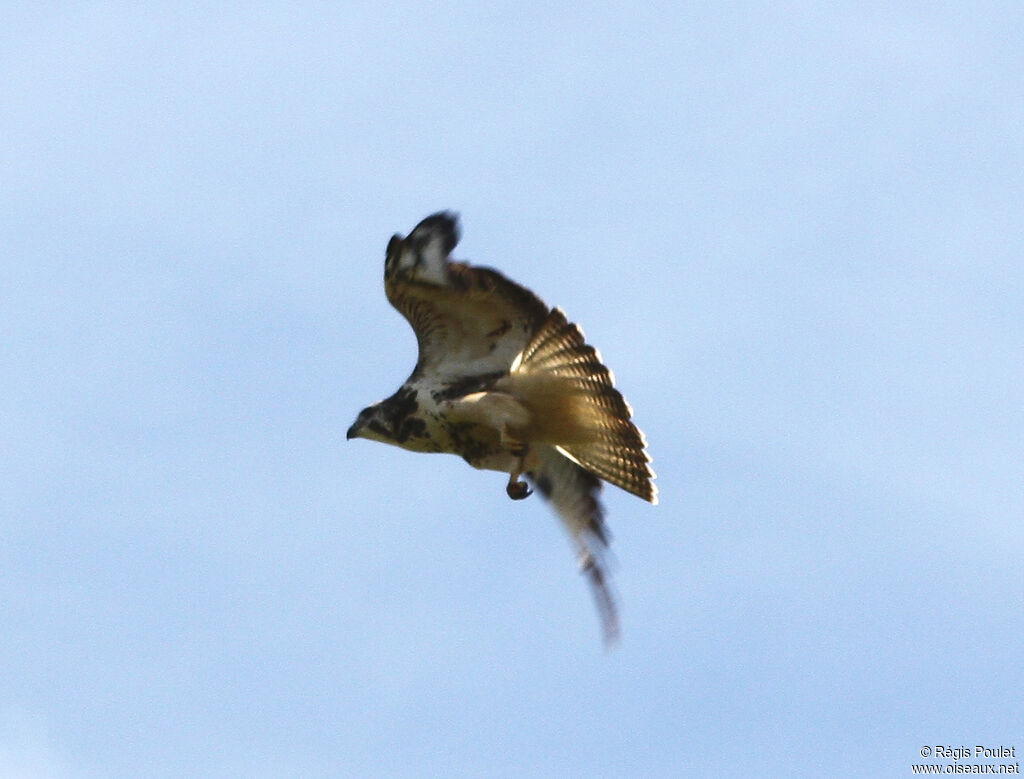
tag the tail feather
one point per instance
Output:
(612, 447)
(574, 493)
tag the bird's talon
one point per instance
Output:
(518, 490)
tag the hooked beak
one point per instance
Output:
(353, 432)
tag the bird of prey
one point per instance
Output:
(510, 385)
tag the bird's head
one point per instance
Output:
(387, 421)
(373, 424)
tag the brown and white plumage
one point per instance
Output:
(510, 385)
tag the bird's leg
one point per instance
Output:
(517, 489)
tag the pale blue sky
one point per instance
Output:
(793, 230)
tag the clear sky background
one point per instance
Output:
(794, 230)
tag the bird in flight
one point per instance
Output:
(509, 385)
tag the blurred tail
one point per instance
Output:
(573, 491)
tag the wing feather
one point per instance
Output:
(468, 320)
(612, 448)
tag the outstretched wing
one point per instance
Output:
(468, 321)
(573, 492)
(607, 443)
